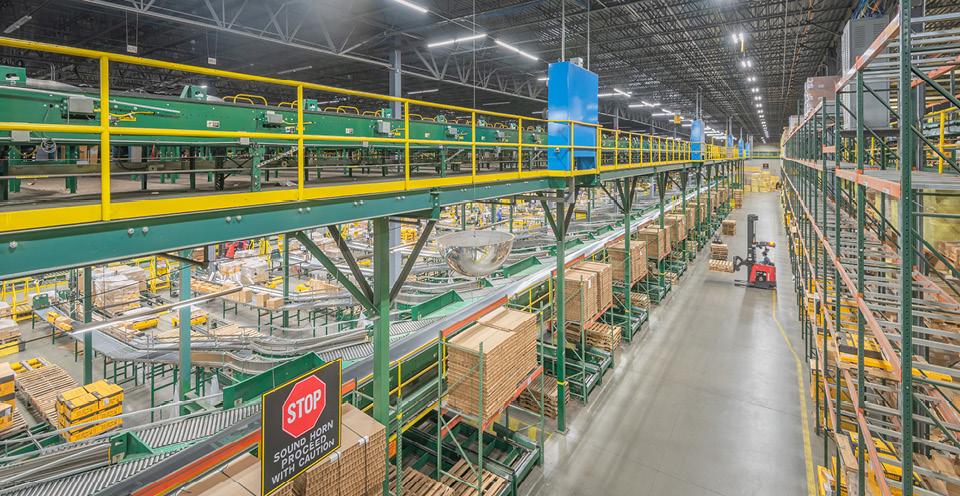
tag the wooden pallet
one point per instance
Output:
(718, 251)
(490, 484)
(530, 398)
(39, 388)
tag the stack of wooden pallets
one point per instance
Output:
(489, 483)
(416, 483)
(718, 251)
(728, 227)
(604, 274)
(357, 468)
(597, 335)
(530, 398)
(617, 251)
(640, 300)
(39, 389)
(721, 266)
(580, 295)
(508, 341)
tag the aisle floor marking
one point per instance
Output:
(804, 419)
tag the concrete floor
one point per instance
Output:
(706, 403)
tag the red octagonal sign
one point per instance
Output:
(303, 406)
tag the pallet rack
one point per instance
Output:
(878, 301)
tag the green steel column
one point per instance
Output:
(381, 329)
(286, 277)
(627, 203)
(561, 338)
(697, 217)
(907, 152)
(513, 202)
(836, 272)
(87, 318)
(861, 221)
(185, 363)
(822, 356)
(662, 190)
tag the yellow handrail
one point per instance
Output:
(658, 152)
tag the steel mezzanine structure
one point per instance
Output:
(878, 297)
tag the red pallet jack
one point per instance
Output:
(763, 274)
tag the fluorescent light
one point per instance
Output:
(544, 78)
(511, 48)
(649, 104)
(604, 95)
(660, 114)
(624, 93)
(735, 40)
(413, 6)
(686, 124)
(667, 112)
(749, 63)
(420, 92)
(457, 40)
(495, 103)
(297, 69)
(635, 105)
(17, 24)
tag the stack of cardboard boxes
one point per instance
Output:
(89, 410)
(581, 293)
(357, 468)
(617, 252)
(604, 274)
(8, 402)
(658, 245)
(508, 340)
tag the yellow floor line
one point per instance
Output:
(807, 451)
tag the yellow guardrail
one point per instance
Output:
(650, 150)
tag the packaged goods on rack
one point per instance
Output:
(604, 274)
(141, 276)
(617, 252)
(508, 356)
(580, 295)
(679, 227)
(9, 330)
(658, 246)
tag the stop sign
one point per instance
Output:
(303, 406)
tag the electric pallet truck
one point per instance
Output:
(762, 274)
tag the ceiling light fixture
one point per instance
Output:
(413, 6)
(621, 92)
(491, 104)
(514, 49)
(17, 24)
(420, 92)
(457, 40)
(297, 69)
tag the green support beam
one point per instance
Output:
(185, 364)
(331, 267)
(381, 329)
(286, 278)
(87, 318)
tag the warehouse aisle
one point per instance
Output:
(706, 403)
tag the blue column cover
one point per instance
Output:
(572, 95)
(696, 139)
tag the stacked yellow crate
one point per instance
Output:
(7, 398)
(88, 410)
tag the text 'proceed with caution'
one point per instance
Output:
(300, 425)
